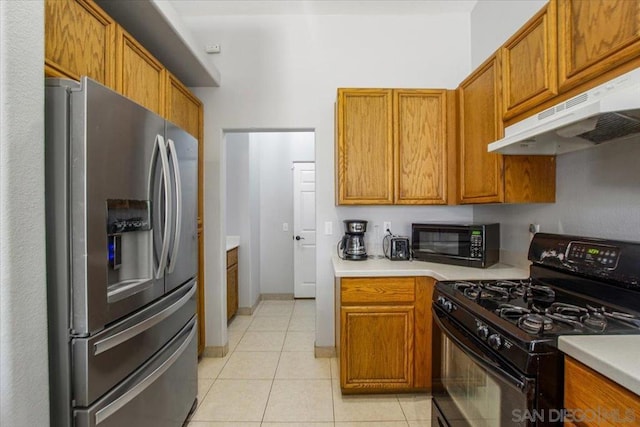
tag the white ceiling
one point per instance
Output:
(189, 8)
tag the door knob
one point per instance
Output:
(299, 238)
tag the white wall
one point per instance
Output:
(282, 72)
(597, 189)
(24, 382)
(401, 219)
(278, 151)
(254, 225)
(237, 183)
(243, 219)
(597, 195)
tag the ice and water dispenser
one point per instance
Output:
(130, 242)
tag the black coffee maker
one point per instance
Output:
(351, 246)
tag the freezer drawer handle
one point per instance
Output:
(178, 229)
(136, 390)
(117, 339)
(127, 288)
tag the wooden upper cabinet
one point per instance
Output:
(595, 36)
(79, 41)
(139, 76)
(185, 110)
(490, 177)
(182, 107)
(480, 124)
(364, 146)
(421, 146)
(529, 64)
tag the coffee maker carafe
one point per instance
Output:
(351, 246)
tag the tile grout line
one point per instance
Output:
(266, 405)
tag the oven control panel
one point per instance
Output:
(491, 337)
(446, 304)
(615, 261)
(603, 256)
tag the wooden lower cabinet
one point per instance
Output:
(384, 334)
(588, 394)
(378, 350)
(232, 282)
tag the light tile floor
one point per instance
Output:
(270, 378)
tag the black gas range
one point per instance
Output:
(497, 355)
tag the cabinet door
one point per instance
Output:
(139, 76)
(580, 381)
(530, 63)
(183, 108)
(232, 290)
(481, 179)
(421, 146)
(364, 147)
(423, 327)
(376, 347)
(529, 179)
(79, 41)
(596, 36)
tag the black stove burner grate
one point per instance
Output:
(535, 323)
(540, 310)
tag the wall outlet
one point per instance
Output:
(285, 226)
(386, 226)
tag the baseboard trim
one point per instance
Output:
(248, 311)
(216, 351)
(324, 352)
(277, 297)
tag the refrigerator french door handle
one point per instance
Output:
(136, 390)
(164, 159)
(171, 264)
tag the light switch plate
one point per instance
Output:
(285, 226)
(328, 228)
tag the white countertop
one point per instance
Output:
(614, 356)
(233, 242)
(385, 267)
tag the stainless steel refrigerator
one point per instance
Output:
(121, 186)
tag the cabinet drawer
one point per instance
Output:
(377, 290)
(232, 257)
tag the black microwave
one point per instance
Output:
(469, 245)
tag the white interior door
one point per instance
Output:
(304, 229)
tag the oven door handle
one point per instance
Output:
(461, 339)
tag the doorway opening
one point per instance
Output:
(259, 207)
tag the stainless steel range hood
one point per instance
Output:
(605, 113)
